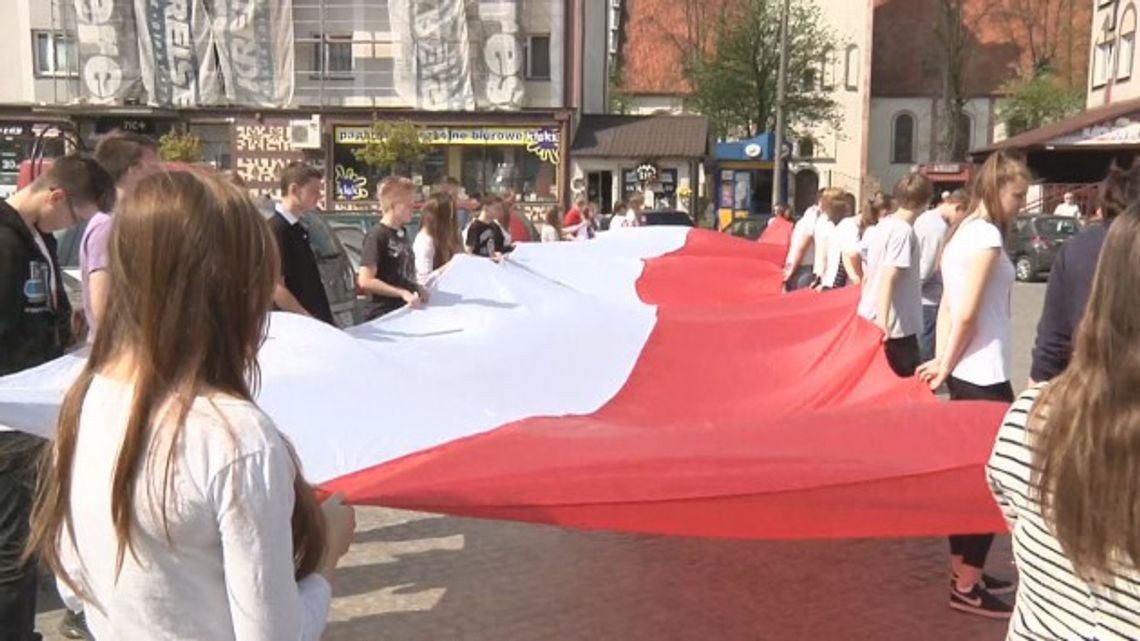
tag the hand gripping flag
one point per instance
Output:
(652, 380)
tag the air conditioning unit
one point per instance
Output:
(305, 134)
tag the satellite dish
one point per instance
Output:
(753, 150)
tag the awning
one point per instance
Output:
(1112, 126)
(623, 136)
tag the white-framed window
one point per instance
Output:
(902, 139)
(332, 55)
(1126, 56)
(851, 68)
(54, 54)
(827, 69)
(538, 57)
(1102, 62)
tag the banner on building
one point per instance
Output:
(254, 40)
(432, 61)
(177, 54)
(107, 41)
(498, 58)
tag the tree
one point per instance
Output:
(733, 67)
(1036, 101)
(1050, 32)
(956, 44)
(177, 146)
(394, 146)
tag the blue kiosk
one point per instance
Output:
(743, 171)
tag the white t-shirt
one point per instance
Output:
(986, 357)
(821, 235)
(894, 245)
(549, 234)
(230, 573)
(423, 248)
(844, 239)
(804, 228)
(930, 227)
(1066, 209)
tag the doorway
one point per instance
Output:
(807, 190)
(600, 190)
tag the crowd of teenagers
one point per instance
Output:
(169, 505)
(938, 283)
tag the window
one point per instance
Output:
(809, 79)
(806, 148)
(851, 68)
(902, 151)
(332, 56)
(1127, 53)
(54, 54)
(827, 69)
(1102, 54)
(965, 136)
(538, 58)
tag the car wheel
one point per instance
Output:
(1024, 269)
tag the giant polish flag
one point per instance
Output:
(651, 380)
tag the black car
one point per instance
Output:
(667, 217)
(1034, 243)
(749, 227)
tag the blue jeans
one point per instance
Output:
(927, 341)
(801, 278)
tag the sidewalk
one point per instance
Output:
(421, 577)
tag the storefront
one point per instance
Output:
(744, 178)
(658, 157)
(17, 141)
(523, 160)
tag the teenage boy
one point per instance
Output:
(128, 158)
(388, 266)
(35, 327)
(299, 289)
(892, 292)
(931, 228)
(485, 237)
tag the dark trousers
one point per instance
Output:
(902, 354)
(18, 458)
(973, 548)
(801, 278)
(927, 341)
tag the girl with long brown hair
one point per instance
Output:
(880, 205)
(1065, 464)
(169, 502)
(438, 239)
(974, 343)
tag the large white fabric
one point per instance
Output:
(489, 347)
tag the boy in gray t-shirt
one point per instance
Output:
(892, 290)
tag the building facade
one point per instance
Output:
(494, 84)
(1113, 55)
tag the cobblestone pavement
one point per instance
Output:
(420, 577)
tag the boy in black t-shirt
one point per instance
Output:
(388, 266)
(485, 237)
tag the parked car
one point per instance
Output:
(667, 217)
(1033, 244)
(749, 227)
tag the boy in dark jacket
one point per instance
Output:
(35, 327)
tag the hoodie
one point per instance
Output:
(34, 329)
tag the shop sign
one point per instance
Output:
(1121, 131)
(540, 141)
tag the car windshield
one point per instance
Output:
(1057, 227)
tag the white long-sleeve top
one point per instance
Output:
(227, 572)
(423, 248)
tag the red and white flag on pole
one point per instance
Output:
(653, 380)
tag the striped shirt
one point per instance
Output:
(1052, 601)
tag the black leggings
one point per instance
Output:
(973, 548)
(903, 355)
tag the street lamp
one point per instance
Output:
(781, 80)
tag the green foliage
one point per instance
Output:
(178, 146)
(1036, 101)
(734, 78)
(393, 145)
(619, 101)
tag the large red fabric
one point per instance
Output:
(749, 414)
(778, 232)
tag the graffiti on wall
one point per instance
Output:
(261, 151)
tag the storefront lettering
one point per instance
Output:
(543, 138)
(260, 170)
(261, 138)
